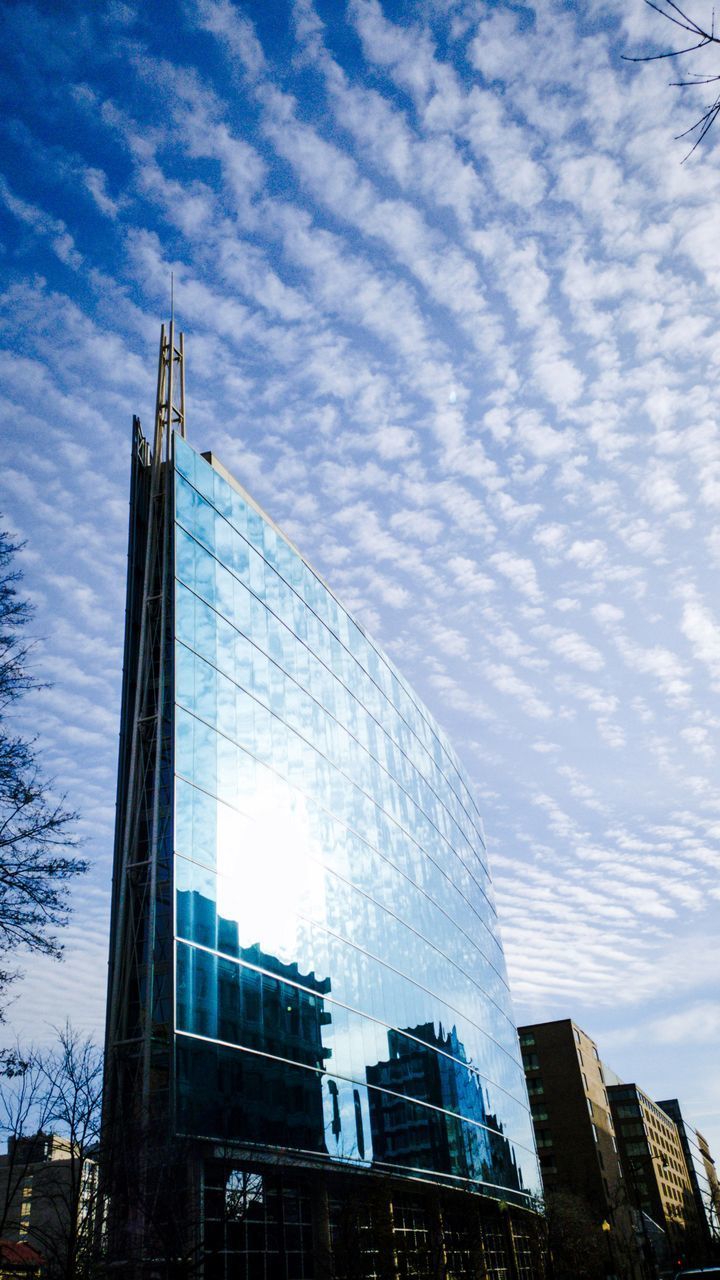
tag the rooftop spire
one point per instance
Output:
(170, 401)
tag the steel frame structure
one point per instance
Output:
(139, 1068)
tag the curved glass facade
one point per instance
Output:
(340, 985)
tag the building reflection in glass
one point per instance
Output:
(430, 1066)
(423, 1107)
(268, 1007)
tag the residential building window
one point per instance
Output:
(25, 1209)
(636, 1130)
(628, 1109)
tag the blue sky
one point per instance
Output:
(451, 303)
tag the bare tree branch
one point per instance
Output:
(705, 36)
(50, 1114)
(37, 864)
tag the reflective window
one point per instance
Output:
(341, 988)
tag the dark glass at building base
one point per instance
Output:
(273, 1226)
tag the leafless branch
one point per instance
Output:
(37, 862)
(704, 37)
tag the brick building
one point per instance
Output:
(574, 1129)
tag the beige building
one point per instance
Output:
(654, 1163)
(703, 1178)
(47, 1200)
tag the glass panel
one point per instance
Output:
(341, 987)
(248, 1096)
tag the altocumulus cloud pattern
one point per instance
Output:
(451, 305)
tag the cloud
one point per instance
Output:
(587, 553)
(660, 489)
(468, 575)
(540, 439)
(571, 647)
(664, 665)
(519, 571)
(703, 634)
(607, 615)
(697, 1025)
(505, 680)
(43, 224)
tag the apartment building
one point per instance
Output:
(654, 1162)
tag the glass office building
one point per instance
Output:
(306, 971)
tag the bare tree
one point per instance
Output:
(50, 1116)
(36, 864)
(23, 1112)
(148, 1187)
(574, 1237)
(73, 1074)
(700, 36)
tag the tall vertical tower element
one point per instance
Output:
(311, 1049)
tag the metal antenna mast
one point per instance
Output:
(168, 413)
